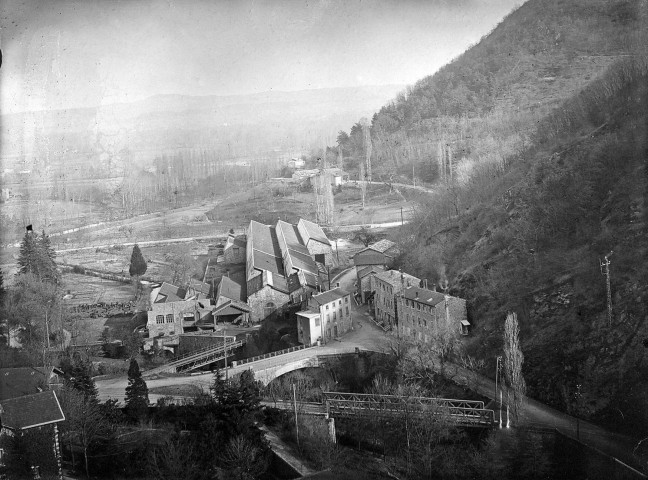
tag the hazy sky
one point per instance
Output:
(59, 54)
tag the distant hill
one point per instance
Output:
(537, 140)
(231, 125)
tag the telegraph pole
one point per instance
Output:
(605, 270)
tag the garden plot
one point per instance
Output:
(83, 289)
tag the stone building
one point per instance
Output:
(425, 315)
(175, 310)
(282, 266)
(328, 316)
(234, 250)
(373, 259)
(385, 288)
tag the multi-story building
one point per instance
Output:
(282, 265)
(328, 316)
(424, 314)
(371, 260)
(176, 310)
(385, 288)
(234, 249)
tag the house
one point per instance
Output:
(175, 310)
(338, 176)
(234, 251)
(296, 163)
(425, 314)
(283, 265)
(17, 382)
(40, 411)
(328, 316)
(364, 280)
(370, 260)
(230, 307)
(386, 287)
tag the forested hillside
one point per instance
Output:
(537, 141)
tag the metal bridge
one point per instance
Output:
(463, 412)
(199, 358)
(469, 413)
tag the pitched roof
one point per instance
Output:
(311, 231)
(294, 252)
(423, 295)
(16, 382)
(199, 286)
(369, 257)
(238, 241)
(382, 246)
(393, 277)
(31, 411)
(229, 288)
(329, 296)
(363, 272)
(170, 293)
(266, 254)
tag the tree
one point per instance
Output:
(78, 372)
(137, 264)
(513, 360)
(366, 236)
(137, 400)
(38, 257)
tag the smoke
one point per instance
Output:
(443, 280)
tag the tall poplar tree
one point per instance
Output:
(513, 361)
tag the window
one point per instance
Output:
(327, 306)
(347, 311)
(346, 299)
(159, 319)
(169, 318)
(418, 306)
(317, 322)
(334, 316)
(328, 317)
(340, 302)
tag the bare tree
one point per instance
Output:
(513, 360)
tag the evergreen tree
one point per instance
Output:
(137, 264)
(38, 257)
(137, 400)
(79, 376)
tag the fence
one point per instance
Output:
(271, 354)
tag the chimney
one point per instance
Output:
(416, 295)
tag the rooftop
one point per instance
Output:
(170, 293)
(266, 254)
(31, 411)
(393, 277)
(382, 246)
(16, 382)
(329, 296)
(423, 295)
(237, 241)
(312, 231)
(229, 288)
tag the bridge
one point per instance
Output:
(192, 361)
(466, 413)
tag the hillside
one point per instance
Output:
(536, 139)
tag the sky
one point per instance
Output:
(65, 54)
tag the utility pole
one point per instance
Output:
(402, 223)
(497, 369)
(605, 270)
(296, 422)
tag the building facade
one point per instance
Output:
(234, 250)
(426, 315)
(371, 260)
(386, 287)
(328, 317)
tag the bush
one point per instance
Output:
(78, 269)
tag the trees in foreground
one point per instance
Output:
(513, 361)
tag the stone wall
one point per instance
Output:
(259, 300)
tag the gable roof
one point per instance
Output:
(363, 272)
(312, 231)
(31, 411)
(294, 252)
(393, 277)
(228, 288)
(199, 286)
(423, 295)
(237, 241)
(169, 293)
(16, 382)
(266, 254)
(328, 296)
(382, 246)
